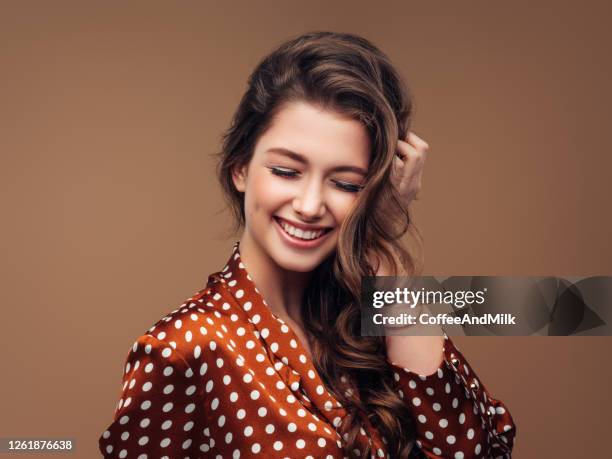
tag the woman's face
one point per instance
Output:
(303, 179)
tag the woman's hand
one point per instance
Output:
(406, 177)
(408, 167)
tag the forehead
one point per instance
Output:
(322, 136)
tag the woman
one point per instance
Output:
(267, 360)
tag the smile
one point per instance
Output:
(299, 236)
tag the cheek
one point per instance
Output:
(264, 194)
(340, 205)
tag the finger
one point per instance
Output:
(417, 142)
(411, 155)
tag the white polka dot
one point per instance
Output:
(416, 401)
(241, 413)
(248, 431)
(278, 445)
(443, 423)
(190, 390)
(165, 442)
(256, 448)
(300, 444)
(321, 442)
(451, 439)
(269, 429)
(470, 434)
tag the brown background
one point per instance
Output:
(112, 216)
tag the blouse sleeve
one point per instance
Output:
(158, 413)
(455, 415)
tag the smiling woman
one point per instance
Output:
(309, 191)
(267, 360)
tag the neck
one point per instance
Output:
(282, 289)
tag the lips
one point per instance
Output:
(315, 229)
(299, 237)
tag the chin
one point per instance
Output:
(301, 262)
(304, 264)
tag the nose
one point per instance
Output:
(310, 203)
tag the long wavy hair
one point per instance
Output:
(347, 74)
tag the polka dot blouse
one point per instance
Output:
(223, 377)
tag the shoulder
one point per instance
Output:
(208, 320)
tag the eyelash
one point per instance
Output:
(344, 186)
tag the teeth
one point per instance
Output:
(299, 233)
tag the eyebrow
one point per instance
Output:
(302, 159)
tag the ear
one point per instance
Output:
(239, 175)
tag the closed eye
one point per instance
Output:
(290, 173)
(350, 187)
(283, 172)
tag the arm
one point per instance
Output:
(456, 416)
(159, 412)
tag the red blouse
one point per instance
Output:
(221, 376)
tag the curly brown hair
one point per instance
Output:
(347, 74)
